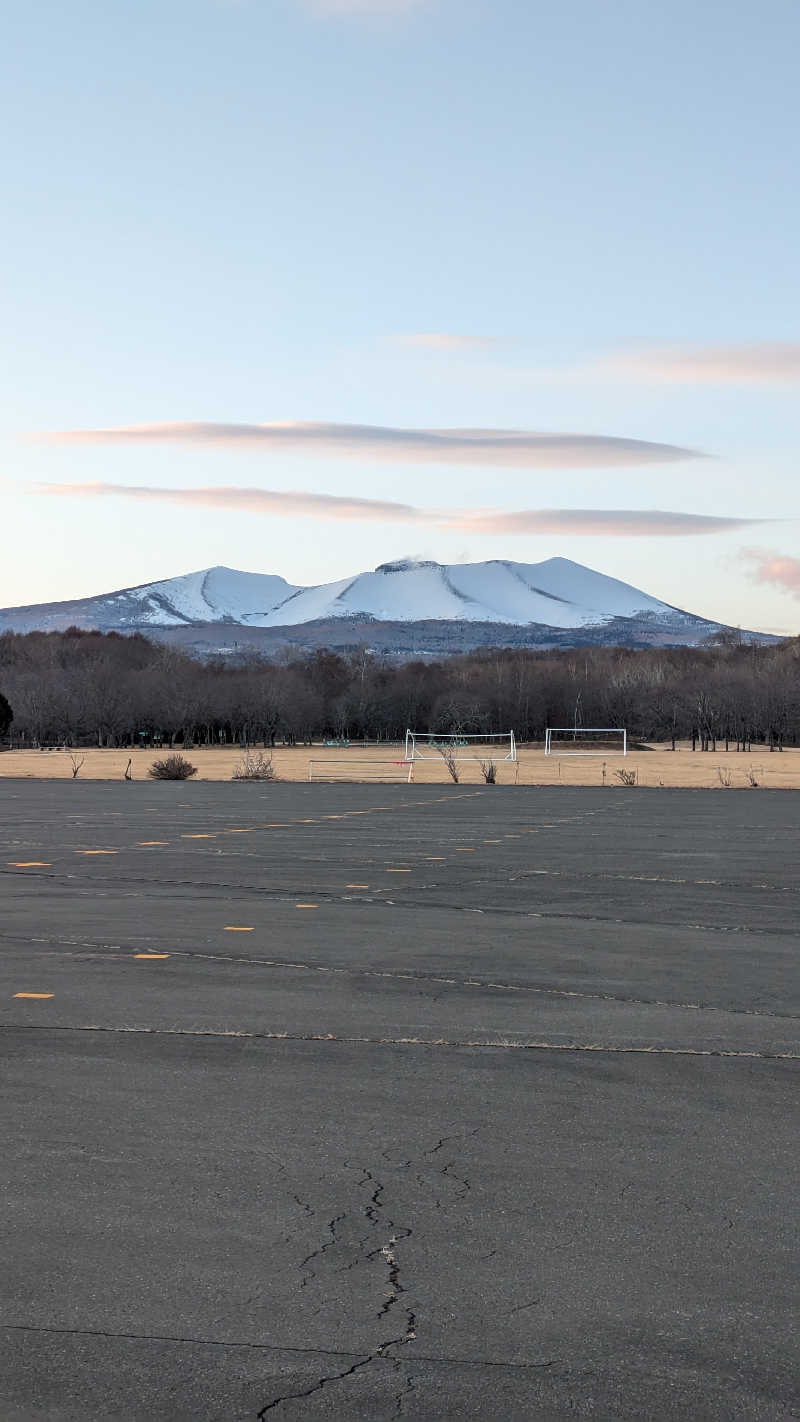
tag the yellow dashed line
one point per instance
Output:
(307, 906)
(398, 871)
(96, 851)
(151, 955)
(150, 843)
(198, 836)
(238, 928)
(29, 864)
(37, 995)
(467, 851)
(356, 886)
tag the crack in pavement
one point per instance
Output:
(374, 1212)
(446, 1169)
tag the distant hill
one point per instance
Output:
(409, 606)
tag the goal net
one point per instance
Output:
(384, 772)
(585, 740)
(438, 745)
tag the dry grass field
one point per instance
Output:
(654, 767)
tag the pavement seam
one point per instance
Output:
(300, 966)
(445, 1361)
(441, 1042)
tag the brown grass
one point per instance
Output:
(658, 767)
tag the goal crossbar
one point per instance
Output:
(575, 736)
(433, 745)
(358, 770)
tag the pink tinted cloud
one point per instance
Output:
(443, 340)
(621, 523)
(512, 449)
(759, 363)
(776, 569)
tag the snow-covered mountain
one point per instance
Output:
(556, 594)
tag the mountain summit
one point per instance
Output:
(556, 595)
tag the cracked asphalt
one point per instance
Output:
(377, 1102)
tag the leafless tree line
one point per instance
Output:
(85, 688)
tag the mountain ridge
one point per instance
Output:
(557, 595)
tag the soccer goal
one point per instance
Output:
(585, 740)
(383, 772)
(433, 745)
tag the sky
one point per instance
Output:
(305, 286)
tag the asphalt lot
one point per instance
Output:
(376, 1102)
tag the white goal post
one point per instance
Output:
(435, 745)
(585, 740)
(360, 771)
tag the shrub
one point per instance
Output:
(172, 767)
(626, 777)
(254, 767)
(489, 772)
(725, 775)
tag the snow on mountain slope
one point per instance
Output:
(556, 593)
(220, 594)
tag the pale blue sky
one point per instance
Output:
(252, 212)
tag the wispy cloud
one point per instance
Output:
(777, 569)
(443, 340)
(760, 363)
(296, 503)
(512, 449)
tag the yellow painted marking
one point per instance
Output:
(398, 871)
(97, 851)
(150, 843)
(467, 851)
(239, 831)
(356, 886)
(434, 859)
(306, 905)
(492, 841)
(36, 995)
(29, 864)
(151, 955)
(238, 928)
(198, 836)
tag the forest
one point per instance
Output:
(89, 688)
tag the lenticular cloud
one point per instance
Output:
(498, 448)
(297, 503)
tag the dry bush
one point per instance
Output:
(172, 767)
(725, 775)
(627, 777)
(76, 765)
(451, 763)
(489, 771)
(753, 777)
(254, 767)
